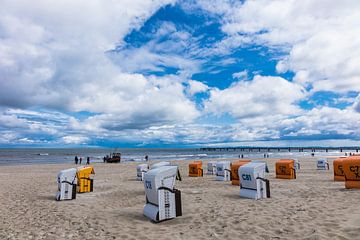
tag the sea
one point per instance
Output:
(20, 156)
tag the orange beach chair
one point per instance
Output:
(195, 169)
(339, 169)
(234, 171)
(285, 169)
(351, 168)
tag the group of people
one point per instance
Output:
(79, 160)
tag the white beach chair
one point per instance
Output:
(160, 164)
(261, 161)
(322, 164)
(252, 181)
(223, 171)
(141, 169)
(164, 163)
(163, 201)
(67, 182)
(297, 164)
(211, 168)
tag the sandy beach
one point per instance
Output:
(311, 207)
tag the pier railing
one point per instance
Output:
(281, 149)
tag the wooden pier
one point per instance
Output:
(280, 149)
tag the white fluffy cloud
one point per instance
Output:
(264, 95)
(53, 56)
(320, 39)
(196, 87)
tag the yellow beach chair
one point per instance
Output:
(85, 183)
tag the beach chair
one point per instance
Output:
(67, 181)
(141, 169)
(262, 161)
(296, 164)
(211, 168)
(223, 171)
(322, 164)
(339, 169)
(351, 167)
(85, 183)
(164, 163)
(163, 201)
(253, 183)
(160, 164)
(285, 169)
(195, 169)
(234, 171)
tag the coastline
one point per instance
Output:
(311, 207)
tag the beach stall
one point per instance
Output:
(195, 169)
(223, 171)
(253, 183)
(234, 171)
(351, 167)
(85, 182)
(285, 169)
(67, 181)
(141, 169)
(211, 168)
(322, 164)
(338, 169)
(163, 201)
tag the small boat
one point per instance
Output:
(113, 158)
(43, 154)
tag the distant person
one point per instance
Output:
(264, 155)
(345, 154)
(312, 154)
(80, 160)
(88, 160)
(242, 155)
(76, 160)
(146, 158)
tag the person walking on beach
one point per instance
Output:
(146, 158)
(88, 160)
(80, 160)
(76, 160)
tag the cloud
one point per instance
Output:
(75, 139)
(319, 40)
(196, 87)
(240, 75)
(53, 56)
(69, 57)
(264, 95)
(356, 104)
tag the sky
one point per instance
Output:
(166, 73)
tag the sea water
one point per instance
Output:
(14, 156)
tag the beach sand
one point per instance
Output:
(311, 207)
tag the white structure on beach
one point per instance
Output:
(67, 182)
(262, 161)
(252, 181)
(141, 170)
(322, 164)
(297, 164)
(211, 168)
(163, 201)
(160, 164)
(223, 171)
